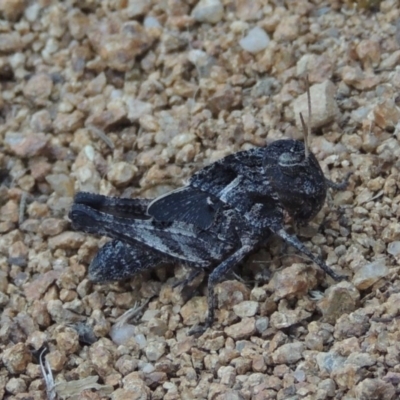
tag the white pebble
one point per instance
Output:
(121, 173)
(17, 60)
(155, 350)
(255, 41)
(197, 57)
(89, 152)
(151, 22)
(180, 140)
(65, 107)
(394, 248)
(210, 11)
(141, 340)
(121, 334)
(246, 309)
(369, 274)
(147, 368)
(116, 94)
(32, 12)
(137, 8)
(150, 314)
(299, 375)
(239, 27)
(137, 108)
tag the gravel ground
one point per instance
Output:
(130, 97)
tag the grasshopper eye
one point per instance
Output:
(291, 159)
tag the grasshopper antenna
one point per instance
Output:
(307, 128)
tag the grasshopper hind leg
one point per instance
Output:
(117, 261)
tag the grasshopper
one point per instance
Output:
(227, 210)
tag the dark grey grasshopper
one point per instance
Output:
(226, 211)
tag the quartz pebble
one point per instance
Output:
(246, 309)
(16, 385)
(288, 353)
(210, 11)
(150, 22)
(120, 174)
(255, 41)
(262, 324)
(155, 350)
(285, 318)
(137, 8)
(394, 248)
(370, 273)
(137, 109)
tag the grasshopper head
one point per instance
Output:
(296, 177)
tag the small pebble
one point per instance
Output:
(12, 10)
(288, 353)
(56, 360)
(340, 298)
(38, 89)
(151, 22)
(246, 309)
(255, 41)
(137, 109)
(369, 274)
(16, 385)
(287, 29)
(194, 311)
(209, 11)
(62, 184)
(31, 145)
(262, 324)
(118, 44)
(137, 8)
(393, 248)
(68, 122)
(16, 358)
(10, 42)
(121, 173)
(375, 388)
(155, 350)
(324, 107)
(244, 329)
(386, 114)
(294, 280)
